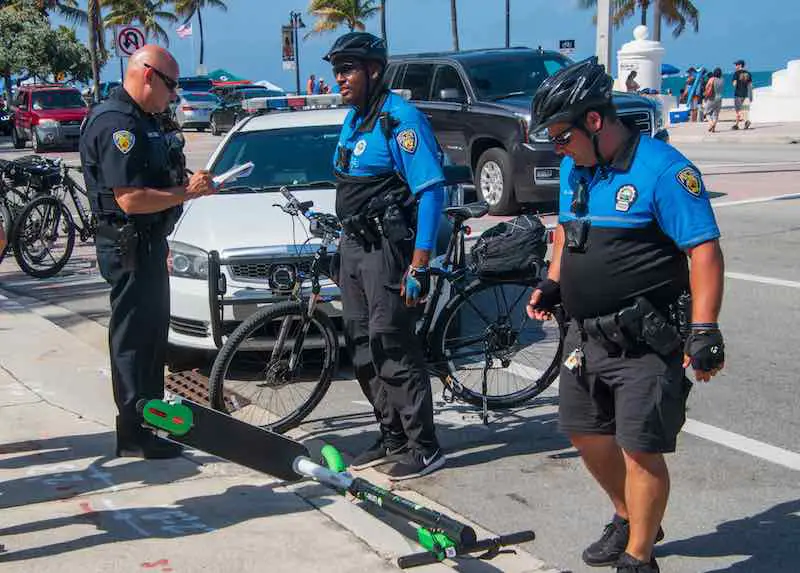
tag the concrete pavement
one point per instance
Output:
(68, 505)
(788, 132)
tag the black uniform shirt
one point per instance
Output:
(122, 146)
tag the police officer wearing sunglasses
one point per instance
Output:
(135, 177)
(638, 268)
(389, 197)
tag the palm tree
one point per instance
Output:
(454, 24)
(186, 9)
(331, 14)
(97, 44)
(67, 9)
(677, 13)
(146, 12)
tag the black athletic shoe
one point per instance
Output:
(415, 463)
(381, 452)
(628, 564)
(611, 545)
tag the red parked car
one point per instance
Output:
(48, 115)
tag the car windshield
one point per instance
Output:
(289, 156)
(200, 97)
(521, 76)
(57, 99)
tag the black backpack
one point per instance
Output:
(513, 248)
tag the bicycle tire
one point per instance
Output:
(220, 395)
(5, 225)
(21, 239)
(454, 371)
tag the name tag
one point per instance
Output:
(153, 134)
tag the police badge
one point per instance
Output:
(626, 195)
(124, 140)
(690, 180)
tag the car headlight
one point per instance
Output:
(48, 123)
(541, 136)
(187, 261)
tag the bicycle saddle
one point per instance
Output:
(469, 211)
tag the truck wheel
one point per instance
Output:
(494, 181)
(35, 143)
(15, 139)
(214, 128)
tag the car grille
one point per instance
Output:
(188, 326)
(260, 272)
(641, 119)
(72, 122)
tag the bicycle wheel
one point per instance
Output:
(5, 225)
(487, 321)
(44, 236)
(251, 377)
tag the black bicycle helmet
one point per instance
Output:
(567, 94)
(361, 45)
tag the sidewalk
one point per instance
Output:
(69, 506)
(775, 133)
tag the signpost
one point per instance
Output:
(566, 47)
(128, 39)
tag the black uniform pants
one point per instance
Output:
(137, 331)
(387, 357)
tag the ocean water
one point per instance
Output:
(676, 83)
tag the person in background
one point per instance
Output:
(631, 85)
(742, 94)
(712, 92)
(311, 84)
(322, 87)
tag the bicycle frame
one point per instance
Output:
(87, 226)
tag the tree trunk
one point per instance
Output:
(454, 24)
(645, 5)
(93, 9)
(508, 23)
(200, 25)
(656, 35)
(383, 22)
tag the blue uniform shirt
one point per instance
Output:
(412, 152)
(644, 211)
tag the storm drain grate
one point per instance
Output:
(192, 385)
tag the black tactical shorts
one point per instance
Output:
(639, 399)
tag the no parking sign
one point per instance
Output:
(128, 40)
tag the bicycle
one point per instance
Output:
(46, 226)
(478, 335)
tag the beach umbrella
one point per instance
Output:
(669, 70)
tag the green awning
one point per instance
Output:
(223, 75)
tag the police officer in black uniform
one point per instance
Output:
(389, 198)
(135, 176)
(636, 254)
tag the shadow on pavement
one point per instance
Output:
(767, 539)
(190, 516)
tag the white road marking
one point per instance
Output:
(717, 204)
(762, 280)
(744, 444)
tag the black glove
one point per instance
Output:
(551, 295)
(416, 284)
(706, 349)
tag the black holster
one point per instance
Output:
(126, 238)
(633, 327)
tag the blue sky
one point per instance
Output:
(246, 39)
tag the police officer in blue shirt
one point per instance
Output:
(135, 177)
(389, 198)
(636, 235)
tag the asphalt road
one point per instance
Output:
(735, 502)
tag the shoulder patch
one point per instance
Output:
(124, 140)
(689, 178)
(360, 147)
(626, 195)
(407, 140)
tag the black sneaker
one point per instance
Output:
(378, 453)
(611, 545)
(416, 463)
(629, 564)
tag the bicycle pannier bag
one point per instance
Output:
(513, 248)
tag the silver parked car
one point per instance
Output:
(193, 109)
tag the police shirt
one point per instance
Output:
(645, 210)
(365, 151)
(122, 149)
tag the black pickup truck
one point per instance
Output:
(478, 103)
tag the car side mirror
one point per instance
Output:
(451, 94)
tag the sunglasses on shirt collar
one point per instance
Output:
(168, 81)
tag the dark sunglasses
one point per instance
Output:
(562, 138)
(168, 81)
(345, 69)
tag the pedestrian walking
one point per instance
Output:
(635, 222)
(388, 169)
(742, 94)
(136, 184)
(713, 98)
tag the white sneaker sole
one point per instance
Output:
(432, 467)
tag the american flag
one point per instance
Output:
(184, 30)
